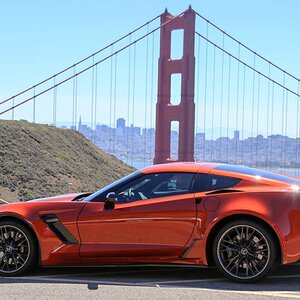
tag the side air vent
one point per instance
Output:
(224, 191)
(59, 229)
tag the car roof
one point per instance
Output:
(223, 170)
(189, 167)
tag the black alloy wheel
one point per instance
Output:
(244, 251)
(18, 250)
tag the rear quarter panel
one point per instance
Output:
(273, 207)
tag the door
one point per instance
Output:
(154, 215)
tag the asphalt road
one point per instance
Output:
(147, 282)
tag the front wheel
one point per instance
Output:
(18, 250)
(244, 251)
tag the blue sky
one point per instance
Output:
(39, 38)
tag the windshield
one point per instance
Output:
(257, 172)
(111, 187)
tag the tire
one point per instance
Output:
(245, 251)
(18, 248)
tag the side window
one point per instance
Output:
(206, 182)
(155, 186)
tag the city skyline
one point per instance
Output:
(234, 132)
(136, 145)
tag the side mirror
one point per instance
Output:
(110, 201)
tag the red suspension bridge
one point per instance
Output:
(214, 98)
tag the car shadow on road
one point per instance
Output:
(284, 279)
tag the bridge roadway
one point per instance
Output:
(147, 282)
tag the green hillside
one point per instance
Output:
(41, 160)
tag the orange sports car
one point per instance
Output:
(243, 220)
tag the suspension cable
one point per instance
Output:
(237, 105)
(272, 123)
(268, 117)
(282, 119)
(248, 66)
(92, 96)
(93, 65)
(151, 95)
(110, 101)
(213, 105)
(133, 99)
(246, 47)
(228, 108)
(96, 95)
(257, 118)
(297, 133)
(83, 60)
(252, 116)
(33, 118)
(54, 103)
(128, 99)
(243, 114)
(205, 96)
(222, 95)
(146, 98)
(13, 111)
(197, 89)
(115, 103)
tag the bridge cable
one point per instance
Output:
(84, 59)
(282, 121)
(33, 117)
(252, 115)
(213, 106)
(151, 153)
(257, 119)
(92, 96)
(76, 101)
(247, 65)
(73, 100)
(268, 117)
(243, 114)
(197, 91)
(115, 102)
(297, 134)
(205, 95)
(96, 96)
(222, 95)
(13, 111)
(133, 99)
(128, 99)
(54, 102)
(237, 105)
(146, 97)
(110, 99)
(286, 128)
(91, 66)
(228, 109)
(246, 47)
(272, 123)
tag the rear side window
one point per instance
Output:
(257, 172)
(206, 182)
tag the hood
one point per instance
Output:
(64, 198)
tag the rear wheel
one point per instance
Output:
(18, 249)
(244, 251)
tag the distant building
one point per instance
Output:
(236, 135)
(120, 123)
(200, 136)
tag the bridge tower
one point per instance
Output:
(184, 112)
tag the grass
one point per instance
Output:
(42, 160)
